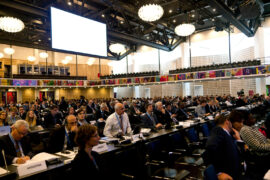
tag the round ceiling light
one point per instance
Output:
(31, 58)
(43, 55)
(117, 48)
(184, 29)
(65, 61)
(1, 55)
(9, 51)
(11, 24)
(90, 61)
(150, 12)
(68, 58)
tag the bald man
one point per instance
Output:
(117, 123)
(63, 138)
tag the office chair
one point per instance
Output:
(157, 162)
(210, 173)
(195, 144)
(186, 160)
(129, 164)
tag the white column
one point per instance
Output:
(258, 53)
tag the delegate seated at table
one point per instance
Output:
(63, 138)
(16, 147)
(86, 164)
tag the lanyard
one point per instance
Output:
(14, 143)
(95, 163)
(119, 121)
(68, 141)
(152, 119)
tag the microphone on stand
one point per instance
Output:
(3, 153)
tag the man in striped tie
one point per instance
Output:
(15, 145)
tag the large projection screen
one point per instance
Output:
(77, 34)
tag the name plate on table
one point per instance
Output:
(4, 130)
(92, 122)
(136, 137)
(101, 147)
(184, 124)
(31, 167)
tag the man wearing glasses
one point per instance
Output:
(15, 145)
(62, 138)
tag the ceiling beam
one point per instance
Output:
(228, 14)
(27, 8)
(136, 40)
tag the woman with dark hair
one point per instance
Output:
(255, 140)
(3, 118)
(86, 163)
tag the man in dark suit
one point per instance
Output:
(149, 119)
(63, 138)
(160, 113)
(103, 113)
(90, 108)
(223, 150)
(15, 145)
(182, 114)
(63, 104)
(52, 120)
(22, 113)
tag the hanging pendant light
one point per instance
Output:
(90, 61)
(150, 12)
(117, 48)
(31, 58)
(184, 29)
(11, 24)
(9, 51)
(43, 55)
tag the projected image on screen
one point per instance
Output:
(78, 34)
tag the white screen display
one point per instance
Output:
(78, 34)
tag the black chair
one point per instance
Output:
(129, 164)
(157, 162)
(210, 173)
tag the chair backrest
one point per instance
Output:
(192, 135)
(154, 148)
(205, 130)
(177, 140)
(210, 173)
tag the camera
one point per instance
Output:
(241, 92)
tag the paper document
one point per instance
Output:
(44, 156)
(267, 175)
(3, 171)
(145, 130)
(39, 157)
(71, 154)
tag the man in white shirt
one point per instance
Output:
(117, 123)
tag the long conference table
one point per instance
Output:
(56, 171)
(53, 171)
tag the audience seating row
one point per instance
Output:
(217, 66)
(36, 76)
(137, 74)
